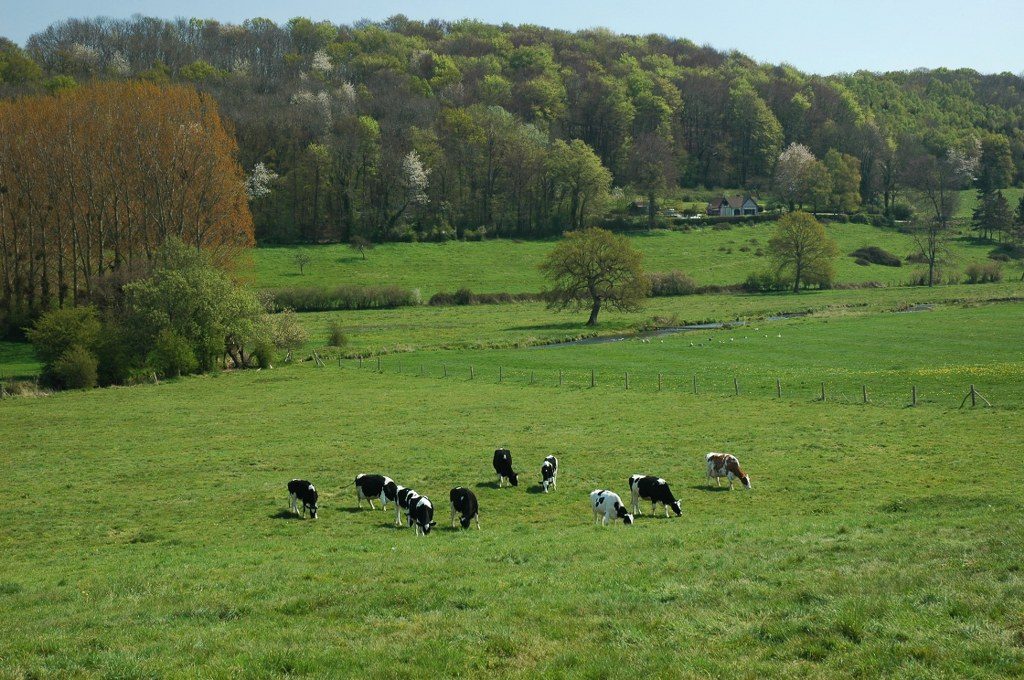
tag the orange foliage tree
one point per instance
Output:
(93, 180)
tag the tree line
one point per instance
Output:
(405, 129)
(94, 180)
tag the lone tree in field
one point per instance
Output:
(592, 267)
(360, 245)
(801, 247)
(302, 260)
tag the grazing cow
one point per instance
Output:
(726, 465)
(655, 490)
(463, 502)
(369, 487)
(503, 466)
(402, 500)
(608, 506)
(301, 490)
(421, 515)
(548, 473)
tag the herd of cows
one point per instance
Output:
(607, 506)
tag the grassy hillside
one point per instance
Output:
(711, 257)
(148, 536)
(969, 200)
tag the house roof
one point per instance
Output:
(732, 201)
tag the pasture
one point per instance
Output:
(709, 256)
(149, 537)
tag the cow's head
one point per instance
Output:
(464, 521)
(426, 527)
(513, 478)
(745, 479)
(312, 509)
(620, 510)
(675, 508)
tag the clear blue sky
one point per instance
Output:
(821, 36)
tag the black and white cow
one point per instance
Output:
(503, 466)
(655, 490)
(402, 501)
(369, 487)
(463, 502)
(608, 506)
(549, 473)
(301, 490)
(421, 515)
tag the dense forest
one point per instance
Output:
(405, 130)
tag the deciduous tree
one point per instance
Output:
(800, 247)
(592, 267)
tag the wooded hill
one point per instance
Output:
(409, 130)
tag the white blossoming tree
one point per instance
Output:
(257, 183)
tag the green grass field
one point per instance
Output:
(147, 532)
(711, 257)
(147, 535)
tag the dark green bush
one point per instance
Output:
(876, 255)
(671, 283)
(75, 369)
(172, 355)
(862, 262)
(902, 211)
(766, 282)
(58, 330)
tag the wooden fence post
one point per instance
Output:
(444, 369)
(778, 388)
(823, 391)
(627, 380)
(913, 395)
(864, 391)
(591, 377)
(695, 384)
(659, 382)
(736, 386)
(471, 374)
(360, 361)
(378, 364)
(559, 377)
(531, 377)
(500, 374)
(973, 400)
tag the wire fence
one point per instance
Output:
(884, 391)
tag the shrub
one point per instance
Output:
(902, 211)
(441, 299)
(860, 218)
(464, 296)
(1005, 252)
(345, 297)
(984, 272)
(75, 369)
(917, 258)
(766, 282)
(862, 262)
(336, 335)
(671, 283)
(876, 255)
(57, 331)
(172, 355)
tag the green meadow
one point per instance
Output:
(710, 256)
(148, 534)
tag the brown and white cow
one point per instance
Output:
(726, 465)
